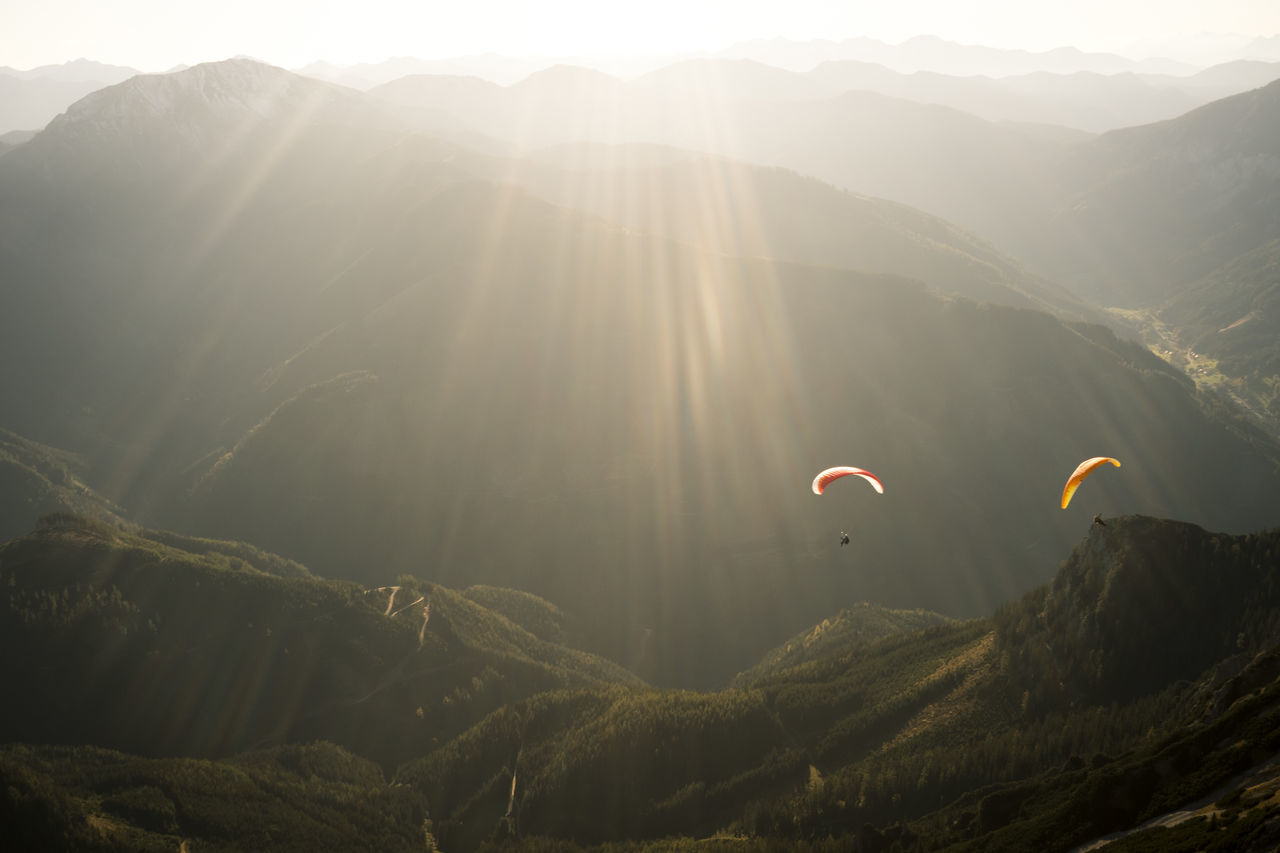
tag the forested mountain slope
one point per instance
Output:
(1141, 679)
(159, 645)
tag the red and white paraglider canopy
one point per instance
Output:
(828, 476)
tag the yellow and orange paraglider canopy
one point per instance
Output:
(1084, 469)
(824, 478)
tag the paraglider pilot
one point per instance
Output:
(844, 538)
(1097, 519)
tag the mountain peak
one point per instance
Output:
(192, 109)
(232, 86)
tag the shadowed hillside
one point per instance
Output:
(160, 645)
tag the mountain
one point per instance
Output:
(864, 623)
(556, 104)
(1146, 209)
(747, 211)
(234, 648)
(967, 149)
(15, 138)
(1227, 325)
(1229, 78)
(1090, 100)
(491, 68)
(314, 796)
(366, 75)
(1137, 687)
(738, 79)
(32, 104)
(447, 106)
(201, 100)
(36, 480)
(925, 53)
(930, 53)
(29, 100)
(76, 71)
(1174, 225)
(940, 737)
(361, 349)
(1083, 100)
(937, 159)
(553, 508)
(866, 129)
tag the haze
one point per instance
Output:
(157, 35)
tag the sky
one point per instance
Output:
(156, 35)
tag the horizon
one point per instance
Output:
(153, 37)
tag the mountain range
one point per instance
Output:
(1131, 700)
(430, 466)
(333, 370)
(1092, 92)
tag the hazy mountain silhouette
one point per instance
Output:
(1083, 100)
(732, 79)
(1145, 210)
(930, 53)
(30, 99)
(940, 160)
(1228, 78)
(877, 137)
(750, 211)
(1175, 220)
(31, 104)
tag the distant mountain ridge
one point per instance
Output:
(930, 53)
(1090, 91)
(30, 99)
(927, 53)
(77, 71)
(1202, 183)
